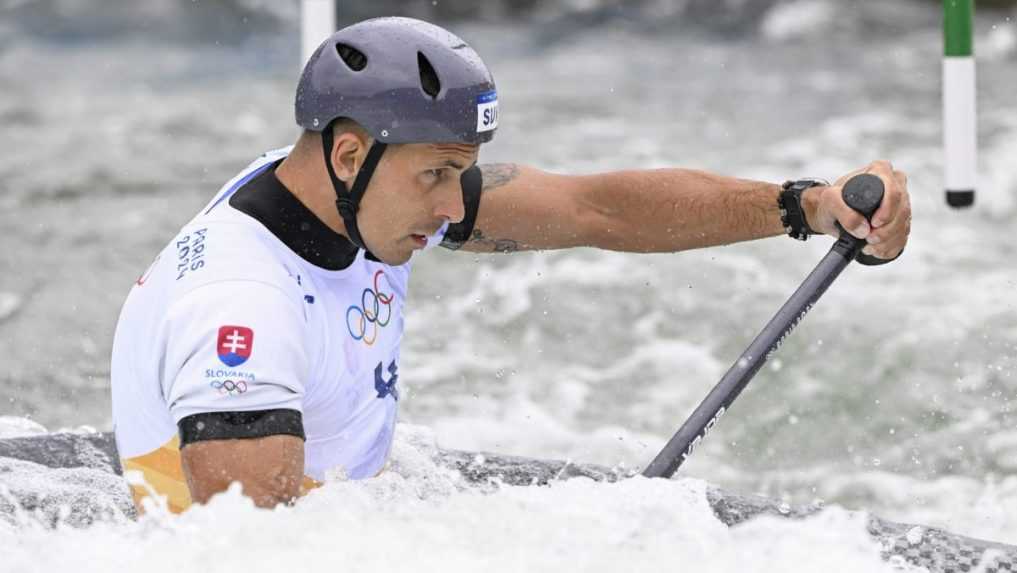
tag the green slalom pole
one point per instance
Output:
(959, 118)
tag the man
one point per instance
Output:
(262, 345)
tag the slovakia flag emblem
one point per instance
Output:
(235, 344)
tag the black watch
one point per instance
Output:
(792, 212)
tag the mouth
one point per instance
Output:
(421, 238)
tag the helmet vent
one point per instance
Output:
(429, 81)
(354, 58)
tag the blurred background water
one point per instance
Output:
(120, 119)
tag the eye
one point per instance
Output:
(434, 174)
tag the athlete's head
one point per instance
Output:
(401, 108)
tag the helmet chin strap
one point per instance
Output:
(348, 201)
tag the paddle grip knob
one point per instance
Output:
(864, 193)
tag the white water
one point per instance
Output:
(419, 517)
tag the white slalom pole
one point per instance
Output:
(960, 140)
(317, 22)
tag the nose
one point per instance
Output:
(450, 204)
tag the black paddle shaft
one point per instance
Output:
(863, 193)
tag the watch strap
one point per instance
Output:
(792, 212)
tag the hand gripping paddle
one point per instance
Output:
(863, 193)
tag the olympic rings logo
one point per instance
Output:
(365, 320)
(229, 387)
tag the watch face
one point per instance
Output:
(806, 183)
(803, 184)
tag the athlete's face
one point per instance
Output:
(414, 190)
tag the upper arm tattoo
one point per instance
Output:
(479, 239)
(498, 174)
(494, 175)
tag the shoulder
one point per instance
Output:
(246, 173)
(227, 250)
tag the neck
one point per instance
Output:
(304, 175)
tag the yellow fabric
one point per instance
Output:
(164, 474)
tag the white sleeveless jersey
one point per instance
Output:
(228, 318)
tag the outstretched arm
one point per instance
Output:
(661, 210)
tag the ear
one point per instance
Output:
(348, 153)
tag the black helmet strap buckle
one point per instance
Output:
(348, 201)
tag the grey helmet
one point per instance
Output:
(404, 81)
